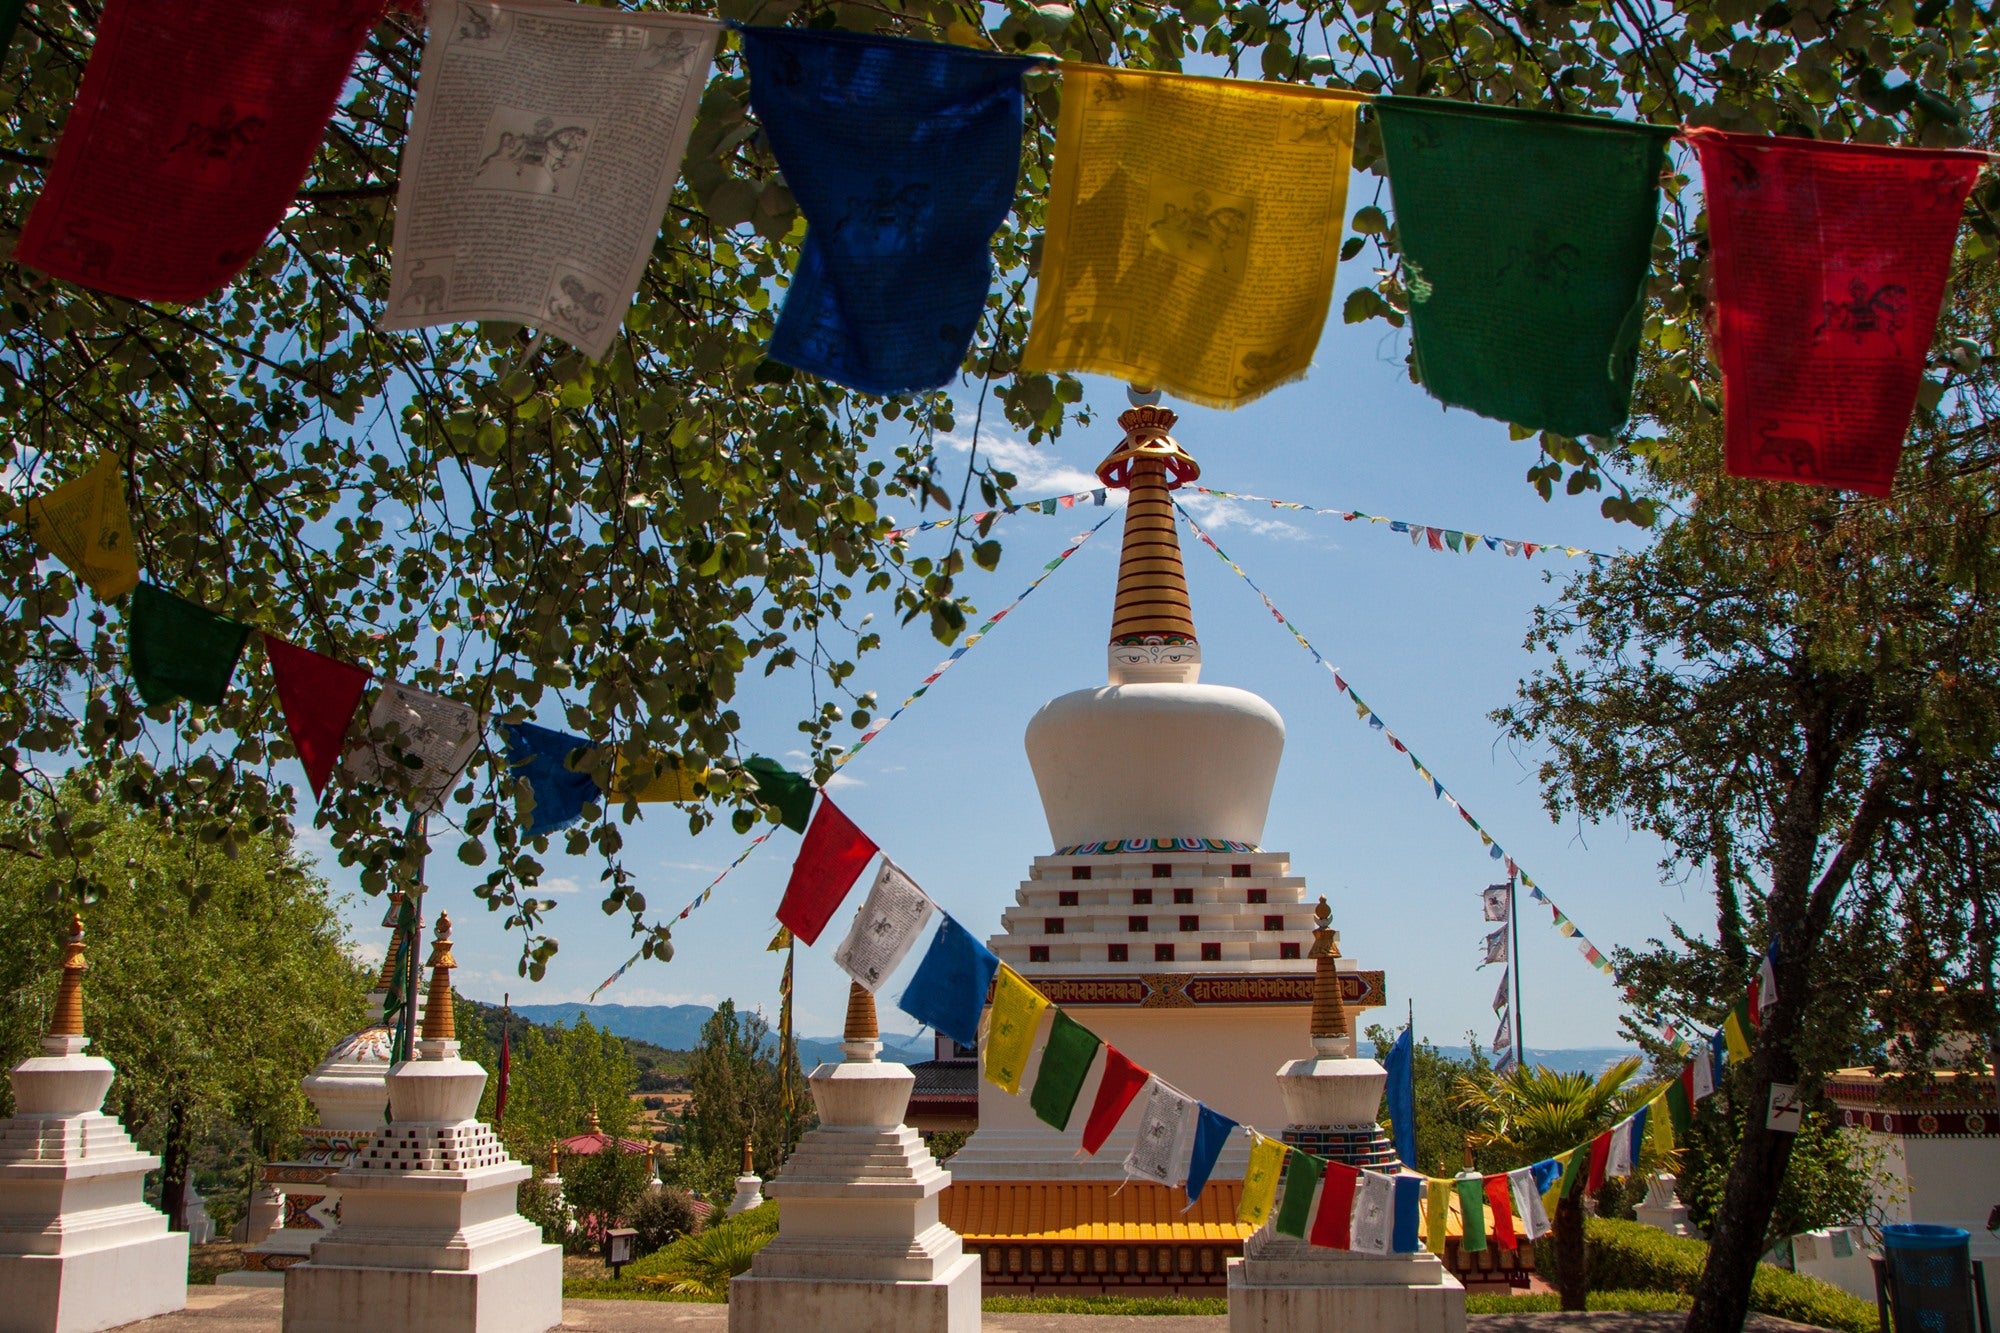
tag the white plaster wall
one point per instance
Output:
(1947, 1182)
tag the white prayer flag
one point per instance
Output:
(1497, 899)
(1162, 1129)
(1500, 995)
(1496, 947)
(542, 152)
(888, 923)
(1619, 1162)
(418, 744)
(1374, 1219)
(1767, 988)
(1504, 1038)
(1704, 1072)
(1528, 1209)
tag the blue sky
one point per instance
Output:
(1432, 641)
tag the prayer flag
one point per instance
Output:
(903, 156)
(180, 650)
(1718, 1044)
(1211, 1131)
(1680, 1107)
(1497, 900)
(191, 133)
(830, 859)
(1528, 1203)
(1700, 1076)
(1496, 947)
(1333, 1221)
(1764, 990)
(792, 793)
(1637, 1150)
(504, 1077)
(319, 696)
(542, 756)
(1193, 229)
(1260, 1180)
(1066, 1061)
(418, 744)
(85, 524)
(1155, 1154)
(1500, 993)
(1374, 1213)
(1735, 1030)
(949, 989)
(1010, 1031)
(1471, 1213)
(1618, 1160)
(1302, 1174)
(1526, 236)
(1116, 1088)
(888, 923)
(1437, 1212)
(1409, 1208)
(1828, 265)
(1600, 1158)
(1401, 1093)
(646, 778)
(1660, 1124)
(1499, 1191)
(1503, 1039)
(1576, 1169)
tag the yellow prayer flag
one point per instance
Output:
(636, 780)
(1260, 1180)
(1738, 1039)
(1660, 1126)
(1010, 1033)
(85, 524)
(1553, 1194)
(1193, 229)
(1437, 1208)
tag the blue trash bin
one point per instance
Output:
(1929, 1272)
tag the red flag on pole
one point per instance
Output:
(830, 859)
(1830, 261)
(1333, 1224)
(1115, 1091)
(320, 697)
(194, 125)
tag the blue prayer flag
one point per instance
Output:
(949, 990)
(904, 157)
(1718, 1043)
(1409, 1204)
(541, 755)
(1546, 1173)
(1402, 1095)
(1211, 1130)
(1639, 1133)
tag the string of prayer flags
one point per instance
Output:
(180, 650)
(1527, 1203)
(1374, 1214)
(192, 130)
(320, 696)
(1066, 1061)
(949, 990)
(1260, 1179)
(830, 860)
(1437, 1214)
(1302, 1176)
(1193, 229)
(1505, 545)
(904, 157)
(1404, 1239)
(1211, 1131)
(1010, 1030)
(1499, 1191)
(792, 793)
(1163, 1123)
(541, 756)
(85, 524)
(1333, 1221)
(542, 209)
(605, 984)
(1471, 1192)
(1526, 236)
(417, 746)
(1829, 263)
(885, 928)
(1116, 1088)
(741, 857)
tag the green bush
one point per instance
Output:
(662, 1217)
(1106, 1305)
(700, 1266)
(1631, 1256)
(1549, 1303)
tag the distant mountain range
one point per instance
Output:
(1592, 1060)
(677, 1027)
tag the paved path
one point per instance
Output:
(257, 1310)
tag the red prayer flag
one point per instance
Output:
(1500, 1199)
(831, 858)
(1115, 1091)
(194, 125)
(1333, 1224)
(1830, 261)
(320, 697)
(1600, 1157)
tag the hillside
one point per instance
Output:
(677, 1028)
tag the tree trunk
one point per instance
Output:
(1572, 1263)
(174, 1155)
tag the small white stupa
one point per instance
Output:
(749, 1186)
(80, 1249)
(859, 1242)
(1331, 1098)
(428, 1237)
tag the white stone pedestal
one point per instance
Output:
(1282, 1285)
(860, 1245)
(80, 1249)
(1663, 1209)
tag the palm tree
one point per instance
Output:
(1534, 1112)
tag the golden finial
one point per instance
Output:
(439, 1024)
(555, 1159)
(1152, 624)
(68, 1020)
(591, 1124)
(861, 1021)
(386, 978)
(1329, 1008)
(748, 1168)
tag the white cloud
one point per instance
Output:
(368, 951)
(559, 884)
(1243, 516)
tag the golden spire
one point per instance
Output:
(592, 1125)
(1152, 625)
(439, 1024)
(555, 1159)
(68, 1020)
(1329, 1011)
(861, 1022)
(748, 1168)
(386, 978)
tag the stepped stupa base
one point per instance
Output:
(522, 1294)
(86, 1290)
(1283, 1285)
(947, 1303)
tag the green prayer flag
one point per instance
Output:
(777, 785)
(1526, 238)
(1574, 1171)
(1679, 1109)
(1065, 1061)
(179, 649)
(1471, 1213)
(1302, 1173)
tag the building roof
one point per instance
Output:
(594, 1140)
(945, 1078)
(1090, 1210)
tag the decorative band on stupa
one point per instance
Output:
(1152, 624)
(67, 1021)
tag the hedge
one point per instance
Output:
(1631, 1256)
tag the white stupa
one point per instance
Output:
(80, 1249)
(429, 1240)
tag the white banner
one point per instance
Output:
(884, 929)
(1162, 1130)
(418, 744)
